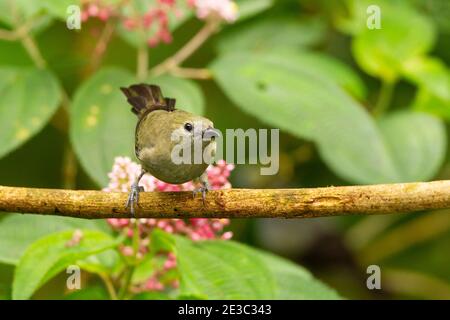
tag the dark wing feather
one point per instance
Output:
(145, 98)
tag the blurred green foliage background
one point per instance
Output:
(354, 106)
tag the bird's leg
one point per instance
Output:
(204, 188)
(133, 197)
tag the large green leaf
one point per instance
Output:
(96, 292)
(187, 93)
(58, 8)
(249, 8)
(18, 231)
(428, 102)
(22, 9)
(102, 126)
(294, 282)
(103, 263)
(48, 256)
(282, 89)
(264, 34)
(279, 90)
(417, 143)
(26, 9)
(326, 66)
(229, 270)
(430, 74)
(220, 270)
(29, 99)
(383, 52)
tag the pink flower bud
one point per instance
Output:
(127, 251)
(227, 235)
(84, 16)
(93, 10)
(129, 24)
(104, 14)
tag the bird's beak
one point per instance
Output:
(210, 134)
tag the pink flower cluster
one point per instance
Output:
(159, 279)
(125, 171)
(96, 9)
(155, 21)
(123, 174)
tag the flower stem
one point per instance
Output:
(33, 51)
(188, 49)
(192, 73)
(8, 35)
(124, 289)
(142, 63)
(385, 97)
(69, 171)
(102, 44)
(109, 286)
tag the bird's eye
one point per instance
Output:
(188, 126)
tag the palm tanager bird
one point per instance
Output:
(158, 122)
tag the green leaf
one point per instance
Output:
(294, 282)
(264, 34)
(417, 143)
(48, 256)
(430, 74)
(29, 99)
(161, 241)
(6, 275)
(222, 270)
(144, 270)
(22, 9)
(276, 88)
(18, 231)
(290, 92)
(249, 8)
(427, 102)
(328, 67)
(383, 52)
(90, 293)
(105, 263)
(102, 126)
(188, 94)
(58, 8)
(424, 257)
(229, 270)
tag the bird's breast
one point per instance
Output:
(161, 166)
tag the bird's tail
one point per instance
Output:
(147, 97)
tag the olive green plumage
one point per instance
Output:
(158, 121)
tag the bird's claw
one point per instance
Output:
(133, 198)
(203, 190)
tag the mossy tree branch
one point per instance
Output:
(233, 203)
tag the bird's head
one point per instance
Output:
(193, 128)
